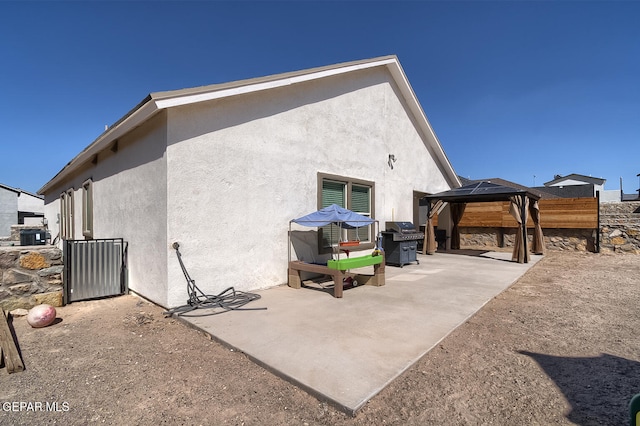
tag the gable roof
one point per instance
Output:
(18, 190)
(8, 188)
(575, 176)
(158, 101)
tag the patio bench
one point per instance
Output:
(337, 270)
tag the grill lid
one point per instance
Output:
(402, 231)
(401, 227)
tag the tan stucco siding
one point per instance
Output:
(240, 168)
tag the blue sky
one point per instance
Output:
(513, 89)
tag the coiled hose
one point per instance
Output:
(227, 300)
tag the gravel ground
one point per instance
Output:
(558, 347)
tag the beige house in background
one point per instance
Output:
(222, 169)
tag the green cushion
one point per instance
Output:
(354, 262)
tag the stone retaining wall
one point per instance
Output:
(30, 276)
(619, 232)
(554, 239)
(620, 227)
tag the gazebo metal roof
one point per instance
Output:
(479, 192)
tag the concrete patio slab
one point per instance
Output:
(347, 350)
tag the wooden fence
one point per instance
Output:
(558, 213)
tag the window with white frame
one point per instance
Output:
(353, 194)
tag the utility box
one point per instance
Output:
(33, 237)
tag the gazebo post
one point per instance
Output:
(425, 242)
(523, 215)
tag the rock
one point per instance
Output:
(20, 312)
(615, 233)
(14, 303)
(629, 248)
(34, 260)
(22, 288)
(53, 256)
(618, 241)
(8, 258)
(53, 298)
(14, 276)
(53, 270)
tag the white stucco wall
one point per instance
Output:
(239, 169)
(129, 201)
(610, 196)
(30, 203)
(52, 214)
(569, 182)
(8, 211)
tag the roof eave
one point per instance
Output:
(131, 120)
(160, 100)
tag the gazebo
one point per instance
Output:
(523, 202)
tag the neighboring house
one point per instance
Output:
(578, 186)
(18, 207)
(222, 169)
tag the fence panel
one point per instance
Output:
(571, 213)
(94, 268)
(559, 213)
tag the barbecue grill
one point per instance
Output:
(400, 243)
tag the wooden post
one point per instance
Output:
(8, 347)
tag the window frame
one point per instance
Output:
(66, 215)
(349, 183)
(62, 222)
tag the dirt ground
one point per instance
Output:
(561, 346)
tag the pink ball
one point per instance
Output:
(41, 316)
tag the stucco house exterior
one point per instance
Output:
(18, 207)
(222, 169)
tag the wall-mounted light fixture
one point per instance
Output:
(392, 159)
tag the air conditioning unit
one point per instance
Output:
(33, 237)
